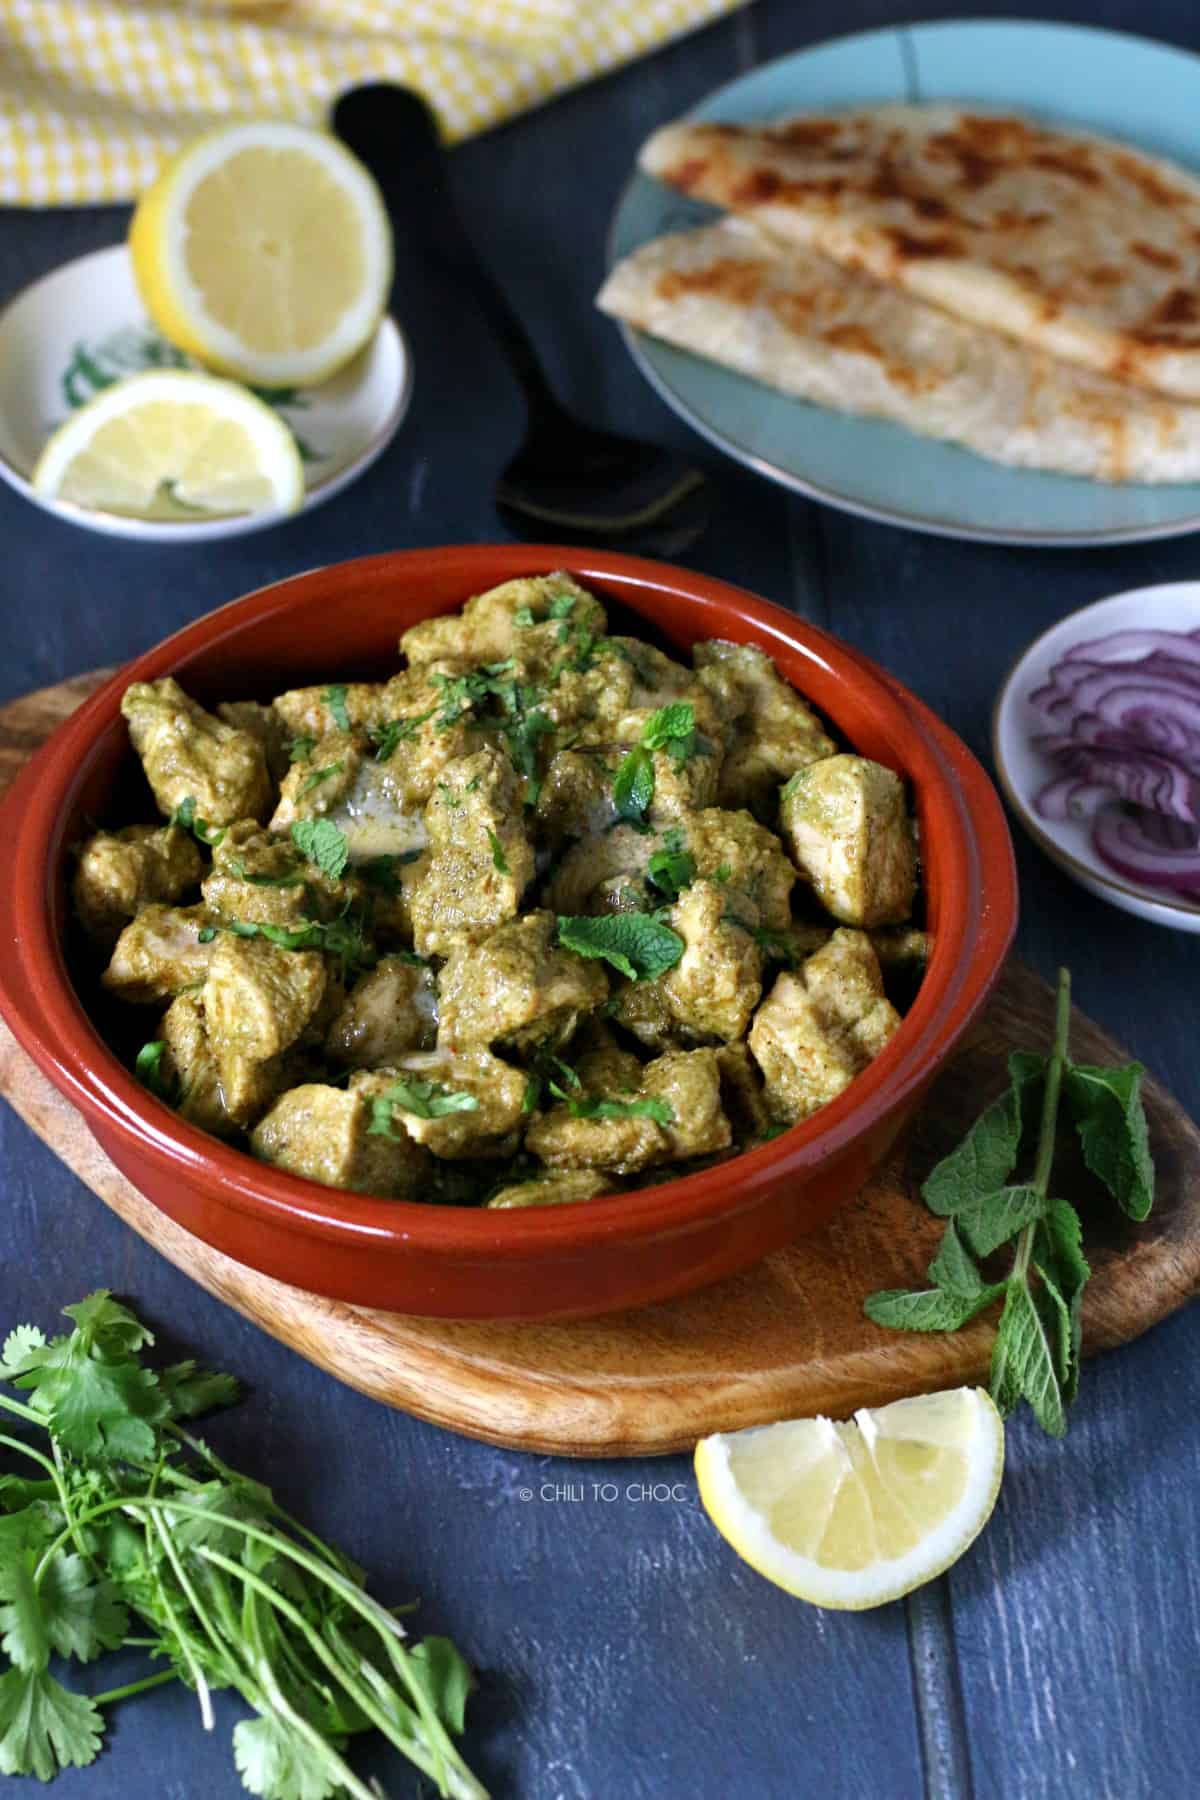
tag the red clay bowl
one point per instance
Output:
(457, 1262)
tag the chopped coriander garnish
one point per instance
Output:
(637, 945)
(424, 1099)
(320, 775)
(185, 815)
(323, 844)
(499, 860)
(775, 945)
(524, 617)
(648, 1108)
(722, 874)
(561, 606)
(393, 732)
(150, 1072)
(301, 748)
(672, 868)
(206, 934)
(334, 698)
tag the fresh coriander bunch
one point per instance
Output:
(118, 1528)
(1037, 1349)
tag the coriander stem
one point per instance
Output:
(133, 1687)
(23, 1412)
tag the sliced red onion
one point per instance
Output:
(1123, 842)
(1128, 646)
(1071, 798)
(1153, 782)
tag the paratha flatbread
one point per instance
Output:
(803, 324)
(1079, 245)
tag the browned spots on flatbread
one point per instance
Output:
(1168, 323)
(762, 187)
(1151, 253)
(1105, 275)
(806, 134)
(912, 249)
(1072, 161)
(687, 176)
(738, 280)
(858, 340)
(1150, 183)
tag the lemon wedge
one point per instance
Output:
(172, 444)
(264, 250)
(852, 1515)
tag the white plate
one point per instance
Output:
(84, 325)
(1024, 771)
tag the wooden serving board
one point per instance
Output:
(785, 1338)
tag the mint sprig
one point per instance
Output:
(673, 729)
(1036, 1353)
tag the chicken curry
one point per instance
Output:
(546, 915)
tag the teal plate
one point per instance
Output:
(1101, 81)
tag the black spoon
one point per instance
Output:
(567, 480)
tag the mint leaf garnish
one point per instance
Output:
(499, 860)
(323, 844)
(1106, 1105)
(638, 946)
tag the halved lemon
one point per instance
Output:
(172, 444)
(264, 250)
(852, 1515)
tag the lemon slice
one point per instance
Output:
(264, 250)
(850, 1516)
(172, 444)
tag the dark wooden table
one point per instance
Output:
(624, 1648)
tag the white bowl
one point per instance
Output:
(1024, 771)
(84, 323)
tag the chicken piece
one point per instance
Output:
(391, 1009)
(820, 1026)
(684, 785)
(261, 879)
(188, 754)
(428, 1096)
(160, 953)
(494, 624)
(769, 731)
(715, 986)
(847, 830)
(576, 795)
(742, 1094)
(517, 988)
(325, 1134)
(316, 712)
(602, 874)
(480, 861)
(318, 784)
(190, 1062)
(258, 998)
(429, 721)
(683, 1090)
(562, 1188)
(120, 871)
(739, 854)
(265, 724)
(641, 1008)
(901, 946)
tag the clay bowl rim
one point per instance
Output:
(974, 929)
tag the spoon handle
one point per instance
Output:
(393, 131)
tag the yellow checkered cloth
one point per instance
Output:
(94, 94)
